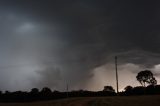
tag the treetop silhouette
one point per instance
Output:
(146, 76)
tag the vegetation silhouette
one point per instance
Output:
(141, 90)
(47, 94)
(108, 88)
(128, 90)
(146, 76)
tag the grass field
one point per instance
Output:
(96, 101)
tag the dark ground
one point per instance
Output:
(96, 101)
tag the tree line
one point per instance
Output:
(146, 79)
(47, 94)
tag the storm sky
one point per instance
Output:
(51, 43)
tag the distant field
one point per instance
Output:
(96, 101)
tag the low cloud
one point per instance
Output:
(48, 77)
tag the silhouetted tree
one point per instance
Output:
(46, 91)
(128, 90)
(34, 91)
(108, 88)
(34, 94)
(150, 89)
(139, 90)
(153, 81)
(146, 76)
(157, 89)
(47, 94)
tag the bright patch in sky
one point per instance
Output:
(26, 27)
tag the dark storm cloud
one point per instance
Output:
(77, 36)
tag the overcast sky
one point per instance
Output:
(55, 42)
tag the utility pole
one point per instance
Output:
(67, 90)
(116, 73)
